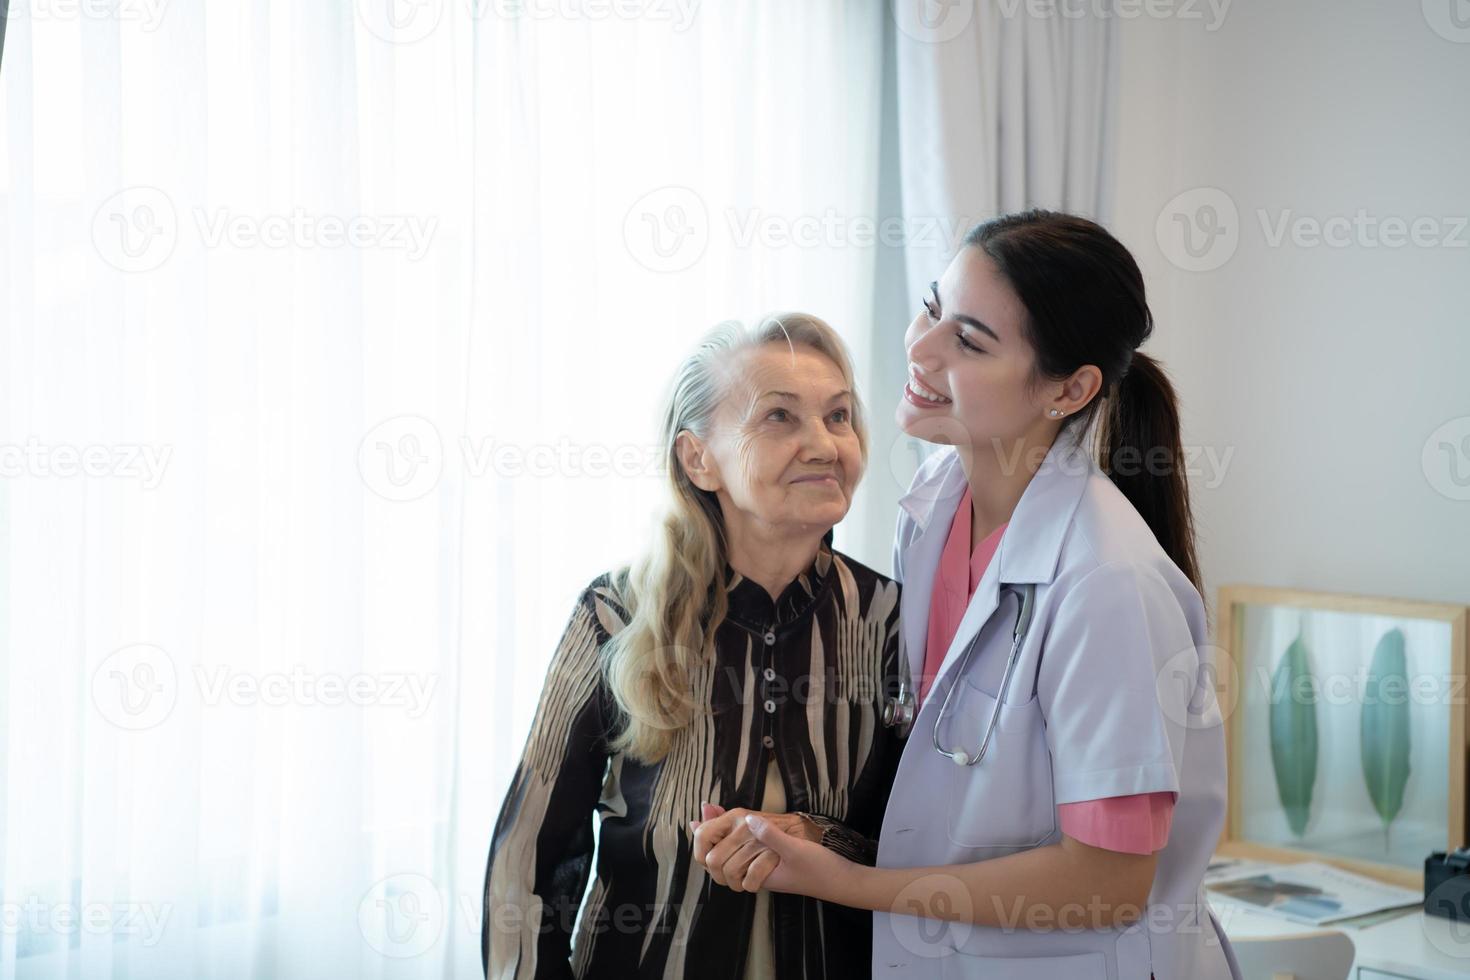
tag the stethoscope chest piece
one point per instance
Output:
(898, 712)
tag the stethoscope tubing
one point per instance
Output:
(899, 711)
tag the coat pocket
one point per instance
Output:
(1004, 802)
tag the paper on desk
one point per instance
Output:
(1311, 892)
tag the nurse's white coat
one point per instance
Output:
(1110, 697)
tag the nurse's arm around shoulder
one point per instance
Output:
(1109, 731)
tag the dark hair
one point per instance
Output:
(1085, 304)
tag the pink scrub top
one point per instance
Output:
(1136, 824)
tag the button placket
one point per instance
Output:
(768, 674)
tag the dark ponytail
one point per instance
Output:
(1138, 447)
(1085, 304)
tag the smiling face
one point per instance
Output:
(968, 355)
(781, 454)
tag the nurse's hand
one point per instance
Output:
(804, 867)
(727, 849)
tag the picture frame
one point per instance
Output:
(1305, 680)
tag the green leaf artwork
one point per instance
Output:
(1294, 734)
(1385, 728)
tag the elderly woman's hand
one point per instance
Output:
(724, 845)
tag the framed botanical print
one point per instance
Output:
(1345, 721)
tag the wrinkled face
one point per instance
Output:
(782, 452)
(968, 363)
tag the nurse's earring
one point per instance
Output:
(1057, 413)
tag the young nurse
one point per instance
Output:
(1063, 784)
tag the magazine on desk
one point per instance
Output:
(1311, 892)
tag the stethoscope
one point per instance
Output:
(898, 711)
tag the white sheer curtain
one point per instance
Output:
(333, 337)
(1002, 105)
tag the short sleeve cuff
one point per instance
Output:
(1074, 787)
(1136, 824)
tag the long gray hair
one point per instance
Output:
(673, 592)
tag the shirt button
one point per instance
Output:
(768, 674)
(768, 742)
(770, 638)
(770, 707)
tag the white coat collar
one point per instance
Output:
(1033, 540)
(1029, 550)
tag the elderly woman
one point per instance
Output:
(740, 664)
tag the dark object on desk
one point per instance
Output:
(1447, 885)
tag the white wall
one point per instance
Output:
(1323, 369)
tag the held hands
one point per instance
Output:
(747, 851)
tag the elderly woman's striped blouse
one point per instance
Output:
(800, 681)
